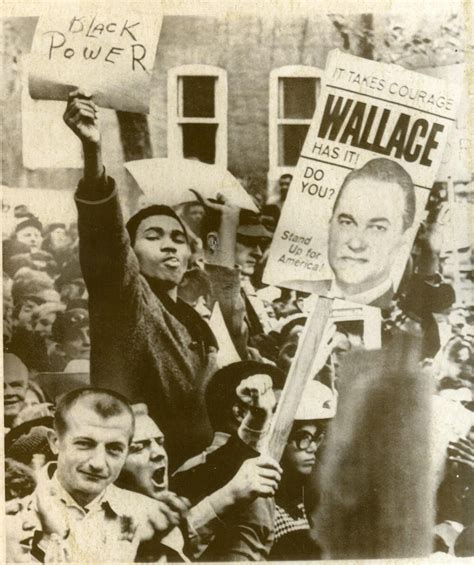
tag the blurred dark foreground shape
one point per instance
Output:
(377, 481)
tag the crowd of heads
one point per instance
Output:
(45, 315)
(95, 435)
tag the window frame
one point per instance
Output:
(274, 121)
(175, 120)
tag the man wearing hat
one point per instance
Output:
(292, 527)
(241, 255)
(70, 332)
(29, 232)
(146, 343)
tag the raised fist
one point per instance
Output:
(256, 392)
(81, 116)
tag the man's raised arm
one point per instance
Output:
(81, 117)
(108, 262)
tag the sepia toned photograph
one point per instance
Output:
(238, 293)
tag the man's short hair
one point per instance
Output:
(250, 224)
(106, 403)
(386, 170)
(220, 391)
(154, 210)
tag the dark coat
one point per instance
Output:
(143, 344)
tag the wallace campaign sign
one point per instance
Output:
(362, 181)
(107, 52)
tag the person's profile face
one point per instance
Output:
(365, 234)
(284, 185)
(146, 467)
(287, 352)
(91, 451)
(162, 249)
(77, 343)
(202, 308)
(341, 346)
(248, 252)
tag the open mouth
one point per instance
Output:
(158, 477)
(9, 401)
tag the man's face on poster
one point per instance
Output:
(365, 233)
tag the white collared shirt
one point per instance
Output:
(366, 297)
(106, 529)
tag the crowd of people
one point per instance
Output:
(127, 439)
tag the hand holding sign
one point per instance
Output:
(362, 181)
(111, 53)
(81, 116)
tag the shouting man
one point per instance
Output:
(76, 514)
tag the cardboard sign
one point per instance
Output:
(226, 353)
(391, 125)
(169, 180)
(344, 312)
(109, 52)
(46, 140)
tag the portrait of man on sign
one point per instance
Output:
(372, 213)
(369, 226)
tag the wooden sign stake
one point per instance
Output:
(298, 377)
